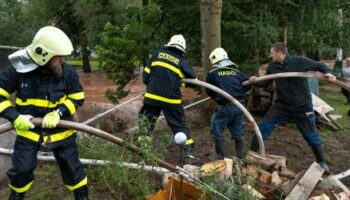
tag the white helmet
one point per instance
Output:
(219, 58)
(48, 42)
(177, 41)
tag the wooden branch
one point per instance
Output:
(317, 75)
(307, 183)
(159, 170)
(98, 133)
(258, 160)
(235, 102)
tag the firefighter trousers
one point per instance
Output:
(174, 116)
(24, 162)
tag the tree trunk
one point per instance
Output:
(211, 31)
(85, 57)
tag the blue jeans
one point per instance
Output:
(228, 116)
(303, 117)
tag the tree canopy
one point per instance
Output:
(124, 33)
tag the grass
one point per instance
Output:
(78, 62)
(331, 95)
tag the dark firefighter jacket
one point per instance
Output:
(228, 79)
(163, 74)
(293, 91)
(37, 94)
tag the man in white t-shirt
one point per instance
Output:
(345, 76)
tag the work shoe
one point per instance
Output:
(324, 166)
(189, 157)
(254, 145)
(239, 145)
(220, 149)
(16, 196)
(81, 193)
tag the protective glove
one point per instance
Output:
(22, 122)
(51, 119)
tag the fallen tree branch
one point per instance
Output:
(97, 133)
(49, 158)
(317, 75)
(235, 102)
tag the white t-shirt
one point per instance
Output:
(345, 74)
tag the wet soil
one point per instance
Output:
(284, 141)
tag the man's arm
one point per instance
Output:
(8, 84)
(312, 65)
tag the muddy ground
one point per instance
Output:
(285, 140)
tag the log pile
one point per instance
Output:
(274, 181)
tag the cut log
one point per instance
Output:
(258, 160)
(264, 176)
(254, 192)
(307, 183)
(228, 170)
(280, 162)
(321, 197)
(275, 179)
(332, 183)
(283, 189)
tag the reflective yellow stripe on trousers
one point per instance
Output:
(163, 99)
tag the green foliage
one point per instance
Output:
(125, 46)
(121, 181)
(230, 187)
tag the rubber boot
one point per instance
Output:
(239, 144)
(189, 157)
(254, 146)
(220, 149)
(16, 196)
(81, 193)
(318, 152)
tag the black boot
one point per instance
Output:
(189, 157)
(16, 196)
(220, 149)
(318, 152)
(239, 144)
(254, 146)
(81, 193)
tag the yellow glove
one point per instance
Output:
(51, 119)
(22, 122)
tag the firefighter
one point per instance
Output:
(227, 77)
(293, 102)
(46, 87)
(162, 75)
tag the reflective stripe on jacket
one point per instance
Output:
(37, 94)
(163, 74)
(228, 79)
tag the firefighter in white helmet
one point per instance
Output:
(227, 77)
(46, 87)
(162, 75)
